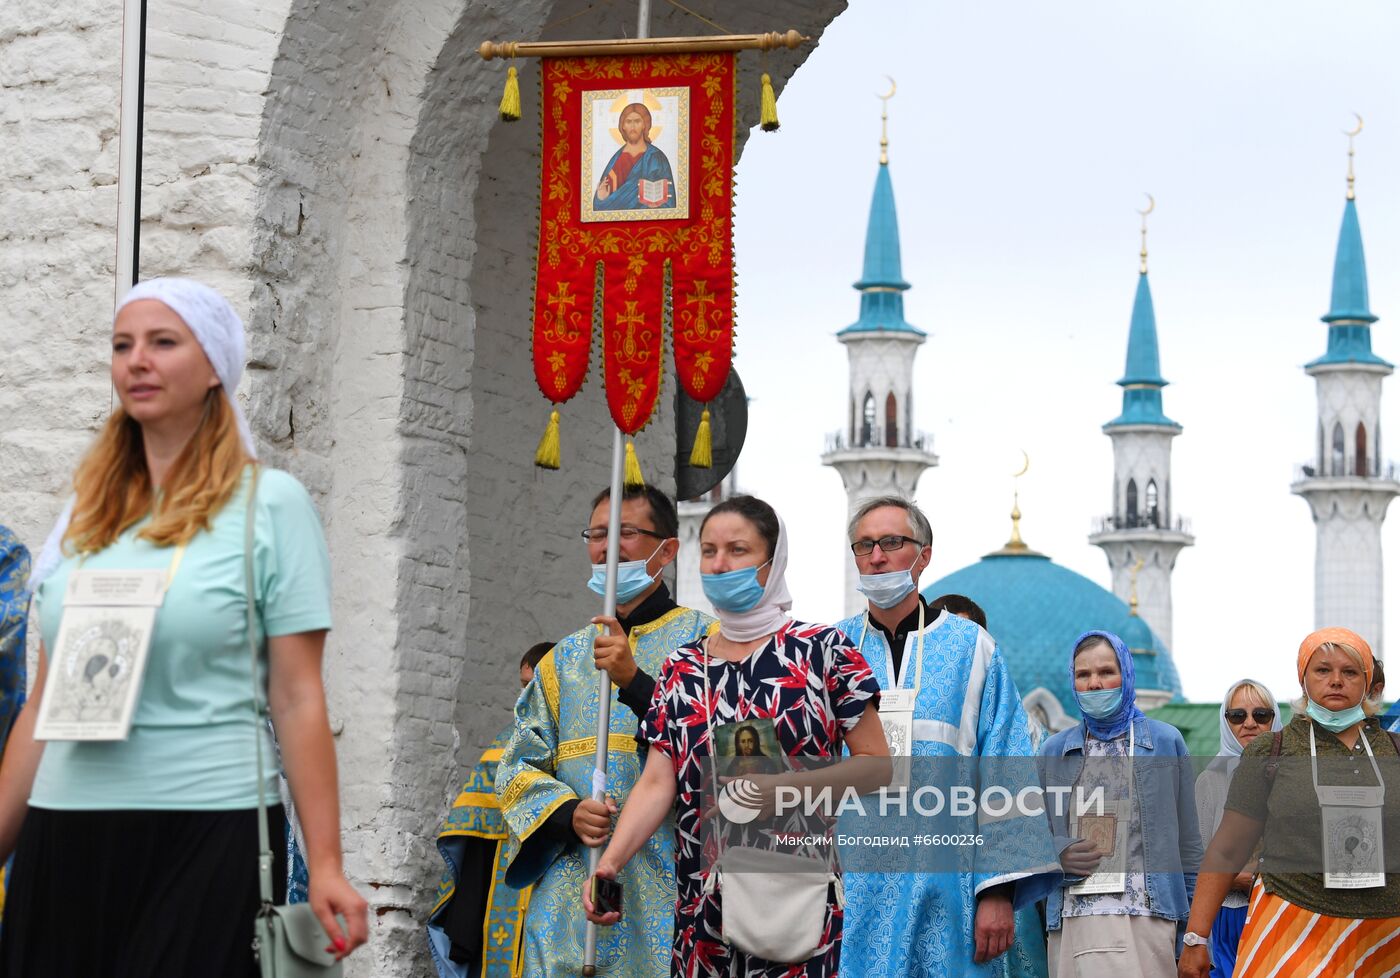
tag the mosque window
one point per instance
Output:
(867, 424)
(1150, 514)
(1132, 502)
(1339, 449)
(891, 421)
(1361, 448)
(1321, 449)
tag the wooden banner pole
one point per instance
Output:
(642, 45)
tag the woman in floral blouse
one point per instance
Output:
(804, 687)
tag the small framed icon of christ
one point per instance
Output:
(636, 155)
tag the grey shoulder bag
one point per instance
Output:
(288, 940)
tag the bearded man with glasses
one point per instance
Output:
(946, 691)
(544, 782)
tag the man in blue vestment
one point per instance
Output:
(475, 925)
(950, 675)
(544, 780)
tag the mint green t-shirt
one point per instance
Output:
(191, 743)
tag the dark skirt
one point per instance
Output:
(136, 894)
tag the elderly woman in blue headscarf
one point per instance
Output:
(1126, 829)
(1248, 710)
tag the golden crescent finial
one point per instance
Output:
(884, 118)
(1142, 254)
(1025, 465)
(1351, 135)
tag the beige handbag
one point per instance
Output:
(772, 904)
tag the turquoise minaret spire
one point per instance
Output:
(882, 284)
(878, 451)
(1350, 318)
(1142, 535)
(1348, 484)
(1142, 381)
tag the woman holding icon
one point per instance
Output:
(802, 684)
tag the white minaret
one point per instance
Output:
(879, 452)
(1142, 535)
(1348, 487)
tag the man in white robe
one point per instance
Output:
(966, 706)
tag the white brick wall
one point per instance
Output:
(338, 170)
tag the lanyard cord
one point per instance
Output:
(1361, 735)
(897, 682)
(169, 574)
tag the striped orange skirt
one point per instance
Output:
(1282, 940)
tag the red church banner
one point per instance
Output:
(636, 235)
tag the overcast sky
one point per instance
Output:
(1022, 139)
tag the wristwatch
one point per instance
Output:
(1192, 939)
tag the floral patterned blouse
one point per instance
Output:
(813, 686)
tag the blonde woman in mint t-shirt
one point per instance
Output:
(138, 857)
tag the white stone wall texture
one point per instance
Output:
(1348, 395)
(1158, 552)
(881, 365)
(1349, 578)
(340, 172)
(1142, 454)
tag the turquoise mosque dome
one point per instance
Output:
(1037, 608)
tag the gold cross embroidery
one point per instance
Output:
(630, 318)
(561, 302)
(701, 296)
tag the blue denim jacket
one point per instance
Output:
(1165, 795)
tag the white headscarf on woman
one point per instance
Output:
(219, 332)
(770, 613)
(1230, 748)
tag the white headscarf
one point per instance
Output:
(1230, 748)
(770, 613)
(220, 334)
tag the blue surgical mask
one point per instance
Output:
(736, 590)
(886, 590)
(632, 578)
(1100, 703)
(1334, 721)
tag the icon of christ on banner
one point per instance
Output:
(636, 155)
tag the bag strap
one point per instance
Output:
(1275, 749)
(264, 840)
(1271, 765)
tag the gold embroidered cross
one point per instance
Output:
(561, 300)
(630, 318)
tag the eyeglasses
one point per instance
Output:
(889, 544)
(625, 532)
(1262, 715)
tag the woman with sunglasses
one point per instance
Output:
(1324, 796)
(1248, 710)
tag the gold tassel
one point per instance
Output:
(700, 454)
(632, 469)
(510, 102)
(767, 105)
(547, 455)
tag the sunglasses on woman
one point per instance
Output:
(1262, 715)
